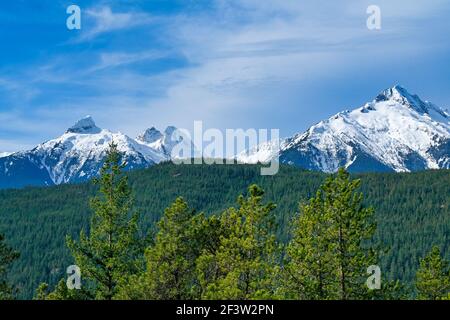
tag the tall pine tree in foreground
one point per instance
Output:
(245, 264)
(170, 261)
(433, 277)
(328, 256)
(310, 271)
(112, 251)
(7, 256)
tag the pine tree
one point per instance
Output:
(328, 256)
(244, 265)
(7, 256)
(353, 226)
(171, 259)
(310, 270)
(61, 292)
(433, 277)
(390, 290)
(112, 250)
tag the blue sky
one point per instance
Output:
(231, 63)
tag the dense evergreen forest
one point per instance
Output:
(412, 211)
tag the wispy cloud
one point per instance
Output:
(102, 20)
(116, 59)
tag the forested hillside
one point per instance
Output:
(412, 211)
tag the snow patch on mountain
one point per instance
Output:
(5, 154)
(262, 153)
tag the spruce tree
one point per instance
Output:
(7, 256)
(310, 270)
(170, 261)
(60, 292)
(244, 265)
(353, 226)
(328, 256)
(433, 277)
(111, 251)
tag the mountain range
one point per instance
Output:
(78, 155)
(396, 131)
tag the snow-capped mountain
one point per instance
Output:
(78, 155)
(164, 142)
(397, 131)
(5, 154)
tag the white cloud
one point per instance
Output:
(103, 19)
(116, 59)
(248, 47)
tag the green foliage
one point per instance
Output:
(111, 252)
(327, 256)
(352, 227)
(244, 265)
(433, 277)
(310, 270)
(171, 259)
(60, 292)
(412, 211)
(390, 290)
(7, 256)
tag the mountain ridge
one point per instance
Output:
(396, 131)
(76, 156)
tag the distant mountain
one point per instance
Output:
(397, 131)
(164, 142)
(78, 155)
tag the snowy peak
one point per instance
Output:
(150, 135)
(84, 126)
(162, 142)
(170, 130)
(398, 94)
(397, 131)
